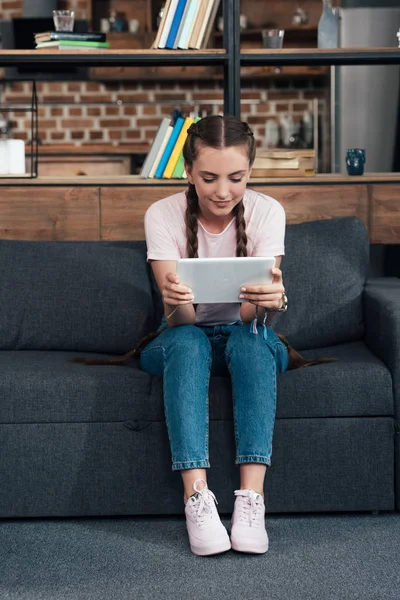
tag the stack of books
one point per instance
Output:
(165, 158)
(186, 24)
(70, 40)
(283, 163)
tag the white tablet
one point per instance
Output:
(220, 279)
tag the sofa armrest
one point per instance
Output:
(382, 326)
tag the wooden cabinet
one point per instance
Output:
(52, 209)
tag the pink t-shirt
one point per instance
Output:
(165, 231)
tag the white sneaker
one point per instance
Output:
(248, 533)
(207, 535)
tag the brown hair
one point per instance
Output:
(216, 132)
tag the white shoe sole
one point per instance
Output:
(249, 547)
(215, 548)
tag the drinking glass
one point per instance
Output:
(272, 38)
(63, 20)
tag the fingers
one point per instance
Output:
(270, 288)
(175, 293)
(276, 275)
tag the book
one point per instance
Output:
(173, 159)
(151, 155)
(188, 25)
(207, 16)
(170, 146)
(89, 36)
(72, 45)
(161, 25)
(161, 151)
(199, 20)
(210, 24)
(175, 24)
(168, 23)
(181, 24)
(179, 170)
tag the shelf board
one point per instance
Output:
(109, 58)
(137, 180)
(317, 56)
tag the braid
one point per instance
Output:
(192, 212)
(241, 236)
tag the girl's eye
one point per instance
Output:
(212, 180)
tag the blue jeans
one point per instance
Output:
(186, 356)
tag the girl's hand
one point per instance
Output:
(268, 295)
(174, 293)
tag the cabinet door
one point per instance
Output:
(34, 212)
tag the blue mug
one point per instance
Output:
(355, 160)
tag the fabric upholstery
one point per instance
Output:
(82, 296)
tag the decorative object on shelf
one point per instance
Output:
(355, 160)
(160, 15)
(63, 20)
(104, 25)
(271, 137)
(398, 36)
(117, 21)
(272, 38)
(328, 27)
(242, 22)
(16, 157)
(299, 17)
(12, 151)
(134, 25)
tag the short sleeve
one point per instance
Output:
(160, 240)
(270, 238)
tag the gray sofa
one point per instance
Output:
(91, 440)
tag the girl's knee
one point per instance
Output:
(188, 338)
(244, 342)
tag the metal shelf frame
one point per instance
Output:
(229, 58)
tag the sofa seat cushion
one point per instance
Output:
(44, 387)
(358, 384)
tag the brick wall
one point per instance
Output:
(127, 111)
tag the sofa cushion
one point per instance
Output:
(44, 387)
(324, 272)
(82, 296)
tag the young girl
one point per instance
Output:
(218, 216)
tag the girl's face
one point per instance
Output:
(220, 177)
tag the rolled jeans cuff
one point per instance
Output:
(193, 464)
(263, 460)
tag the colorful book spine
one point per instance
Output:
(169, 169)
(175, 24)
(181, 24)
(199, 20)
(203, 26)
(210, 24)
(148, 163)
(161, 25)
(188, 25)
(168, 23)
(170, 146)
(161, 152)
(179, 169)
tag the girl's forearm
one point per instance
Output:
(183, 315)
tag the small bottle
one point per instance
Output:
(328, 27)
